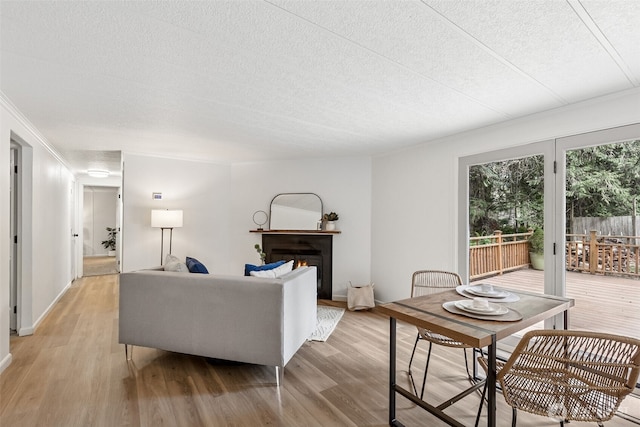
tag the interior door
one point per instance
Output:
(73, 231)
(13, 253)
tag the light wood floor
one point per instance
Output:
(99, 265)
(72, 372)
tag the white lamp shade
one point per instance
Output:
(165, 218)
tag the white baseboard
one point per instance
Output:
(4, 364)
(23, 332)
(31, 330)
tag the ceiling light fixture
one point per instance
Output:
(98, 173)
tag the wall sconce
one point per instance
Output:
(166, 219)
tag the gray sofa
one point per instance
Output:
(245, 319)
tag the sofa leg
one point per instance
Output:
(126, 352)
(279, 375)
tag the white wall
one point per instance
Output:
(47, 268)
(343, 184)
(414, 200)
(219, 202)
(52, 228)
(5, 140)
(201, 190)
(98, 212)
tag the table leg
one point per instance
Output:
(491, 384)
(392, 371)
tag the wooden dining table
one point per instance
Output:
(428, 312)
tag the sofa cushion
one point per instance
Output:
(248, 268)
(196, 266)
(274, 272)
(173, 263)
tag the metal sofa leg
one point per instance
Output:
(279, 375)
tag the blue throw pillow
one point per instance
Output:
(196, 266)
(248, 268)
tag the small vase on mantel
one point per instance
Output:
(330, 221)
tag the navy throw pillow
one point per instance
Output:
(196, 266)
(248, 268)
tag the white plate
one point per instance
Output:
(511, 297)
(477, 290)
(493, 310)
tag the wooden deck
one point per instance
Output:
(603, 303)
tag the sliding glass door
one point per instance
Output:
(601, 173)
(554, 186)
(506, 202)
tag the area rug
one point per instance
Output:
(328, 318)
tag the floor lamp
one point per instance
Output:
(166, 219)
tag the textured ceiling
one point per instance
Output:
(231, 81)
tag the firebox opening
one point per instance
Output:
(304, 250)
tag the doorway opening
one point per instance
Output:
(99, 230)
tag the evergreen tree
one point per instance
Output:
(602, 181)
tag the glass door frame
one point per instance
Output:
(554, 153)
(544, 148)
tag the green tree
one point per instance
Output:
(506, 195)
(601, 181)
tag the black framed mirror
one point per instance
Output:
(295, 211)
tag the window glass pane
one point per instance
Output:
(602, 255)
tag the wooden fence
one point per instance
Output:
(499, 253)
(614, 225)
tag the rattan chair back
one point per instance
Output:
(426, 282)
(570, 375)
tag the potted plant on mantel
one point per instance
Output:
(110, 243)
(536, 249)
(330, 221)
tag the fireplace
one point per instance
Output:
(303, 249)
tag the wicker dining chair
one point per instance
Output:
(426, 282)
(568, 375)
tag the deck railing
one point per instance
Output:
(495, 254)
(595, 254)
(499, 253)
